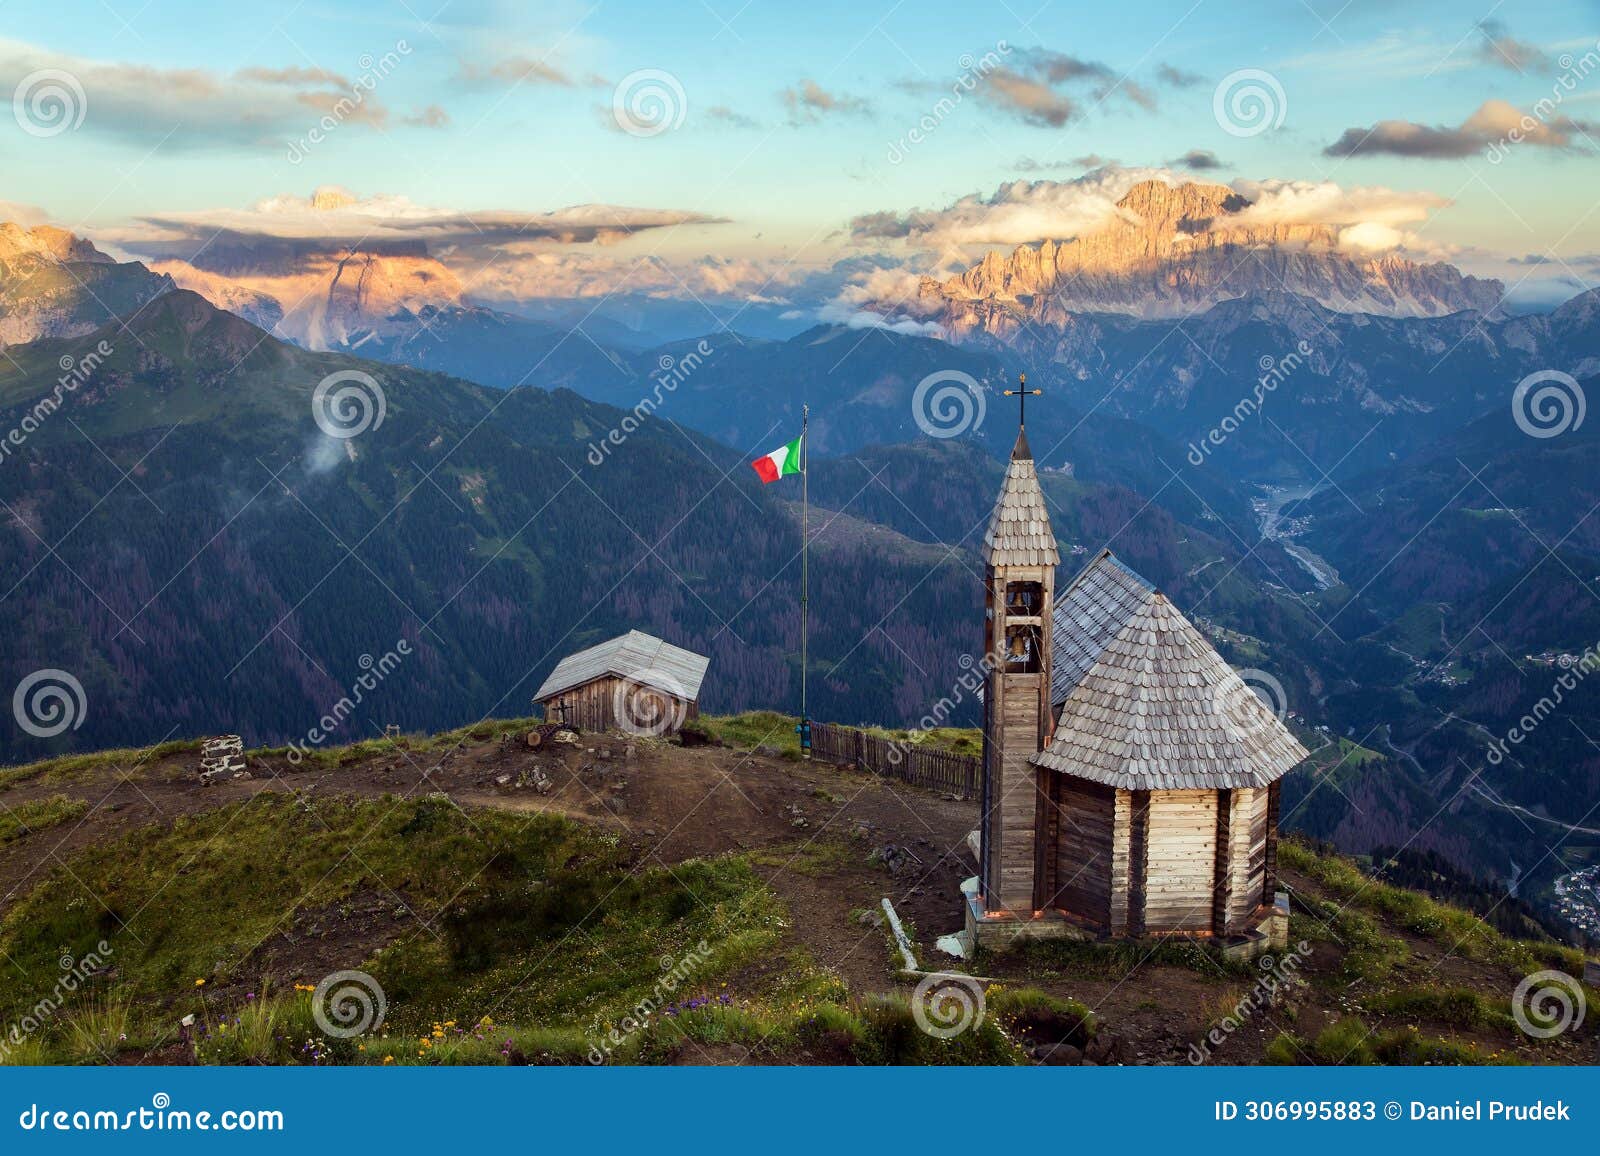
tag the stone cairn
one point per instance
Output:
(222, 758)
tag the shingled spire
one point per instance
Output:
(1019, 531)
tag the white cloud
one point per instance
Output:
(1326, 203)
(1028, 212)
(336, 216)
(196, 107)
(25, 215)
(1017, 213)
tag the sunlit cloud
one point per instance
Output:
(1495, 121)
(185, 108)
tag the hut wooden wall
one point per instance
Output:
(592, 706)
(1127, 811)
(1180, 860)
(1086, 819)
(1248, 855)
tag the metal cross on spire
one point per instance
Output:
(1022, 393)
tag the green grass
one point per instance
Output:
(769, 728)
(73, 768)
(76, 768)
(535, 921)
(1350, 1043)
(485, 730)
(1027, 1011)
(745, 732)
(1053, 958)
(543, 948)
(1456, 929)
(1457, 1007)
(38, 815)
(1345, 753)
(958, 740)
(1370, 954)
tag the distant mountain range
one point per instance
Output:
(1174, 250)
(184, 537)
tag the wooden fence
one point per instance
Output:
(920, 766)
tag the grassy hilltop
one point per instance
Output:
(631, 900)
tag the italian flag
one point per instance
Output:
(780, 462)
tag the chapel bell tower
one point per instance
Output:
(1020, 558)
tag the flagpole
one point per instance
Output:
(805, 542)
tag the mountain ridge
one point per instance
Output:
(1171, 250)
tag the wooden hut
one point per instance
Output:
(1131, 777)
(635, 683)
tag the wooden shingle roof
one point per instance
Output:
(1146, 702)
(1088, 614)
(635, 655)
(1019, 531)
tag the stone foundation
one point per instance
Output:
(1271, 932)
(999, 932)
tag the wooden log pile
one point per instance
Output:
(544, 734)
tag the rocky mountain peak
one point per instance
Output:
(1175, 250)
(326, 198)
(48, 242)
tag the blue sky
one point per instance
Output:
(498, 106)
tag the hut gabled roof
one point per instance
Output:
(1146, 701)
(638, 656)
(1019, 531)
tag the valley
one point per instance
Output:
(1275, 527)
